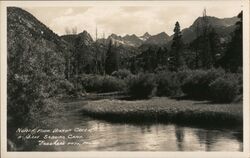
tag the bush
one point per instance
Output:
(223, 90)
(91, 83)
(196, 85)
(141, 86)
(182, 75)
(65, 87)
(168, 84)
(122, 74)
(111, 84)
(97, 83)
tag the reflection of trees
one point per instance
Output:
(145, 128)
(179, 134)
(238, 135)
(207, 138)
(210, 138)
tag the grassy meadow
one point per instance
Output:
(163, 109)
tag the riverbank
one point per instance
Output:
(162, 109)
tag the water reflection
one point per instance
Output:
(156, 137)
(179, 134)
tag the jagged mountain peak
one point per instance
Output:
(130, 40)
(163, 34)
(133, 35)
(85, 34)
(83, 38)
(146, 34)
(115, 36)
(158, 39)
(130, 36)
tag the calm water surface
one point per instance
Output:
(105, 136)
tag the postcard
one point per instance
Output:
(125, 79)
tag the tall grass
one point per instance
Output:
(165, 110)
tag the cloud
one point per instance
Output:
(68, 11)
(131, 19)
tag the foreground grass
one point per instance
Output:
(165, 110)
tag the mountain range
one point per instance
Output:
(23, 25)
(223, 26)
(133, 40)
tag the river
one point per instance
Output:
(99, 135)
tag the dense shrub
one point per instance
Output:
(91, 83)
(65, 87)
(196, 85)
(168, 84)
(213, 74)
(97, 83)
(141, 86)
(182, 75)
(223, 90)
(161, 69)
(122, 73)
(111, 84)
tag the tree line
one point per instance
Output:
(205, 52)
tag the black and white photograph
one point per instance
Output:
(123, 77)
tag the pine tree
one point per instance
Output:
(162, 57)
(206, 46)
(233, 58)
(111, 62)
(215, 46)
(176, 49)
(206, 57)
(196, 45)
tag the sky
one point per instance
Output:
(131, 19)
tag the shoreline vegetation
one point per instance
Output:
(165, 110)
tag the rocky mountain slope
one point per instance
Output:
(37, 65)
(222, 26)
(30, 41)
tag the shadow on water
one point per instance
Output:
(138, 119)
